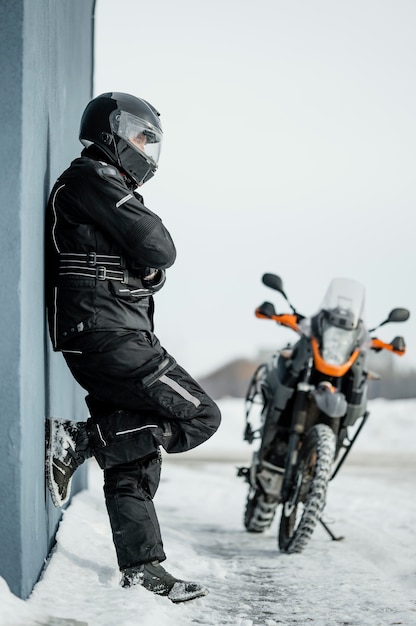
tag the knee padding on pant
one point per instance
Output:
(122, 437)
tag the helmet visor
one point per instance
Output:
(142, 136)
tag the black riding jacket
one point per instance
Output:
(101, 243)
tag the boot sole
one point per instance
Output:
(185, 597)
(50, 433)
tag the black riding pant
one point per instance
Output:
(139, 398)
(129, 489)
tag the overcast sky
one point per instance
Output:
(289, 147)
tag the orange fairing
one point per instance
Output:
(291, 321)
(328, 369)
(380, 345)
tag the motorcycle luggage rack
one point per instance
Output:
(254, 396)
(250, 435)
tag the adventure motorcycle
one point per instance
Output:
(310, 403)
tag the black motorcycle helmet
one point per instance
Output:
(127, 130)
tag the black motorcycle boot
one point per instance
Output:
(67, 447)
(153, 577)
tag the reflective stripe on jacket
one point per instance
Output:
(92, 210)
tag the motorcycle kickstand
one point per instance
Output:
(329, 531)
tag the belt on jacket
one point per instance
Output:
(93, 265)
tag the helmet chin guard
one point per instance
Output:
(136, 165)
(127, 130)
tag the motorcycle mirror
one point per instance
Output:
(274, 282)
(395, 315)
(398, 315)
(267, 309)
(398, 344)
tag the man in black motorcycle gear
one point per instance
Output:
(106, 256)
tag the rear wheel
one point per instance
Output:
(260, 511)
(306, 501)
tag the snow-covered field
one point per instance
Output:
(369, 579)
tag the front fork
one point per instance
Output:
(297, 429)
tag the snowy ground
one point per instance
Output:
(369, 579)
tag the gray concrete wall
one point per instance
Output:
(46, 48)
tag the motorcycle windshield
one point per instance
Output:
(344, 303)
(342, 312)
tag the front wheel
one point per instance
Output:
(307, 496)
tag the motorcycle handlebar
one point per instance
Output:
(397, 345)
(291, 321)
(285, 319)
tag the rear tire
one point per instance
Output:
(305, 504)
(260, 511)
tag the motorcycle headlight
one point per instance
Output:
(337, 344)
